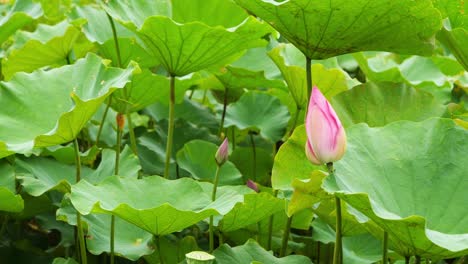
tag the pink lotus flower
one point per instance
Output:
(223, 152)
(326, 138)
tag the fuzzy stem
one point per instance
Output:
(284, 242)
(338, 251)
(170, 129)
(309, 76)
(224, 110)
(385, 248)
(158, 245)
(116, 172)
(213, 198)
(407, 259)
(109, 101)
(79, 227)
(254, 159)
(418, 260)
(296, 116)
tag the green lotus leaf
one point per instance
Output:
(47, 46)
(190, 47)
(55, 10)
(198, 158)
(415, 70)
(133, 14)
(98, 28)
(259, 111)
(357, 249)
(256, 59)
(173, 250)
(240, 78)
(130, 50)
(402, 177)
(76, 91)
(19, 15)
(66, 154)
(291, 162)
(255, 208)
(257, 169)
(39, 175)
(210, 12)
(326, 29)
(64, 261)
(251, 252)
(329, 81)
(9, 200)
(160, 213)
(378, 104)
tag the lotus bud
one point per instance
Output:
(326, 137)
(252, 185)
(222, 153)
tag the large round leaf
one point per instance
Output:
(323, 29)
(378, 104)
(20, 14)
(409, 178)
(190, 47)
(198, 158)
(154, 204)
(48, 108)
(259, 111)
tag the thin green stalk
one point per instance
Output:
(385, 248)
(78, 215)
(120, 125)
(309, 76)
(170, 129)
(284, 242)
(270, 226)
(233, 137)
(407, 259)
(296, 116)
(204, 96)
(101, 125)
(158, 245)
(224, 111)
(318, 252)
(338, 251)
(221, 238)
(213, 198)
(4, 225)
(133, 144)
(254, 159)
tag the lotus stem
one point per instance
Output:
(309, 75)
(158, 245)
(254, 153)
(338, 251)
(284, 242)
(385, 248)
(213, 198)
(170, 128)
(120, 126)
(418, 260)
(224, 111)
(407, 259)
(103, 119)
(79, 226)
(270, 226)
(296, 116)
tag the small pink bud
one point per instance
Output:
(326, 137)
(223, 153)
(252, 185)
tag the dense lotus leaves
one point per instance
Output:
(19, 15)
(152, 145)
(173, 250)
(98, 28)
(415, 70)
(357, 249)
(259, 172)
(75, 91)
(251, 252)
(130, 50)
(190, 47)
(323, 29)
(259, 112)
(256, 59)
(131, 241)
(188, 110)
(329, 81)
(158, 211)
(454, 33)
(417, 192)
(9, 200)
(55, 10)
(47, 46)
(133, 14)
(210, 12)
(66, 154)
(291, 162)
(39, 175)
(240, 78)
(198, 158)
(255, 208)
(378, 104)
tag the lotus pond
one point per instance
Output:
(234, 131)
